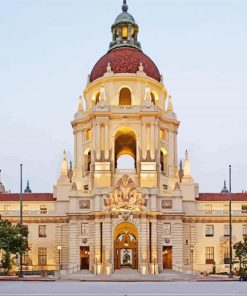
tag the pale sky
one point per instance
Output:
(48, 47)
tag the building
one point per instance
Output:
(149, 216)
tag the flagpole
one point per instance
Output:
(230, 219)
(21, 218)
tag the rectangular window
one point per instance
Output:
(226, 230)
(84, 229)
(244, 209)
(209, 230)
(42, 230)
(167, 229)
(209, 251)
(244, 230)
(42, 256)
(43, 210)
(226, 255)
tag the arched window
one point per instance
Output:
(125, 96)
(97, 98)
(152, 98)
(87, 159)
(163, 160)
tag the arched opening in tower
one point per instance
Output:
(163, 160)
(125, 149)
(125, 96)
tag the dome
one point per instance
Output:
(124, 17)
(125, 60)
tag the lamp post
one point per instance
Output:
(59, 248)
(21, 219)
(230, 219)
(192, 267)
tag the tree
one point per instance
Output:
(13, 240)
(241, 253)
(7, 262)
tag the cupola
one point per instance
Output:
(124, 30)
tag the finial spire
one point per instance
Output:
(124, 6)
(225, 189)
(187, 170)
(0, 176)
(28, 190)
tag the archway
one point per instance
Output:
(125, 144)
(125, 96)
(125, 246)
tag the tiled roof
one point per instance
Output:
(27, 197)
(125, 60)
(222, 197)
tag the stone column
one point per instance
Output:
(144, 145)
(98, 141)
(74, 250)
(106, 141)
(79, 154)
(107, 245)
(154, 245)
(152, 141)
(177, 243)
(97, 249)
(143, 245)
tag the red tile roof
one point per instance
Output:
(222, 197)
(27, 197)
(125, 60)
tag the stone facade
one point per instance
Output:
(150, 216)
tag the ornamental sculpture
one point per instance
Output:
(125, 196)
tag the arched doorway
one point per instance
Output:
(125, 246)
(125, 145)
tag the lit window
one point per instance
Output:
(244, 209)
(124, 32)
(208, 209)
(167, 229)
(43, 209)
(226, 255)
(42, 256)
(6, 208)
(209, 230)
(42, 230)
(88, 134)
(209, 252)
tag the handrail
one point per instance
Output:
(72, 269)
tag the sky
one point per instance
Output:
(48, 48)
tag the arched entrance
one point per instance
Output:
(125, 246)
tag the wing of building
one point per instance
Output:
(125, 202)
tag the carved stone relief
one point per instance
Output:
(125, 196)
(84, 204)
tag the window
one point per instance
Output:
(88, 134)
(167, 229)
(43, 209)
(244, 209)
(152, 98)
(226, 209)
(42, 256)
(42, 230)
(226, 255)
(226, 230)
(84, 229)
(209, 255)
(125, 96)
(209, 230)
(244, 230)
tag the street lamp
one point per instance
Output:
(59, 248)
(192, 250)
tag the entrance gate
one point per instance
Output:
(125, 246)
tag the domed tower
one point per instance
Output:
(125, 180)
(125, 116)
